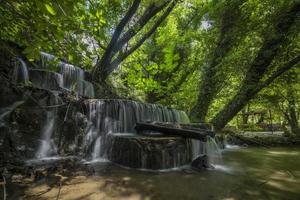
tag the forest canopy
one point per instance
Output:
(214, 59)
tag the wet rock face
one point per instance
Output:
(45, 79)
(144, 152)
(22, 124)
(76, 127)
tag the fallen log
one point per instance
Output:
(190, 126)
(173, 130)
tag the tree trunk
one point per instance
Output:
(210, 79)
(232, 108)
(245, 115)
(293, 122)
(114, 54)
(251, 84)
(292, 119)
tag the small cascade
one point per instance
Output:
(73, 78)
(227, 144)
(198, 148)
(213, 152)
(47, 147)
(45, 79)
(59, 79)
(20, 74)
(88, 89)
(97, 148)
(118, 117)
(46, 59)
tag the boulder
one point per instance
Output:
(200, 163)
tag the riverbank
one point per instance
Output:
(262, 139)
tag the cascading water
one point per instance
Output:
(198, 148)
(106, 117)
(227, 144)
(88, 89)
(20, 73)
(119, 117)
(45, 79)
(97, 149)
(73, 78)
(213, 152)
(47, 147)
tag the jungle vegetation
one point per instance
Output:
(214, 59)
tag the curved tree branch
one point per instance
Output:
(105, 60)
(123, 56)
(279, 72)
(149, 13)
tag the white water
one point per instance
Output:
(73, 78)
(47, 147)
(20, 73)
(229, 146)
(88, 89)
(59, 79)
(119, 117)
(97, 149)
(213, 152)
(198, 148)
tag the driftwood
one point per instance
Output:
(173, 130)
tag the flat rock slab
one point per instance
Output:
(145, 152)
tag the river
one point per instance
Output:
(246, 173)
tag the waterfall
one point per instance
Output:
(213, 152)
(59, 79)
(44, 79)
(73, 78)
(88, 89)
(120, 116)
(20, 73)
(47, 147)
(227, 144)
(46, 59)
(198, 148)
(97, 148)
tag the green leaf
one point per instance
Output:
(50, 9)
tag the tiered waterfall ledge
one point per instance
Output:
(144, 152)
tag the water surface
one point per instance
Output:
(247, 173)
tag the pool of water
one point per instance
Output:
(245, 173)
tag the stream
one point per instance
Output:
(246, 173)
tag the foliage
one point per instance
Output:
(201, 52)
